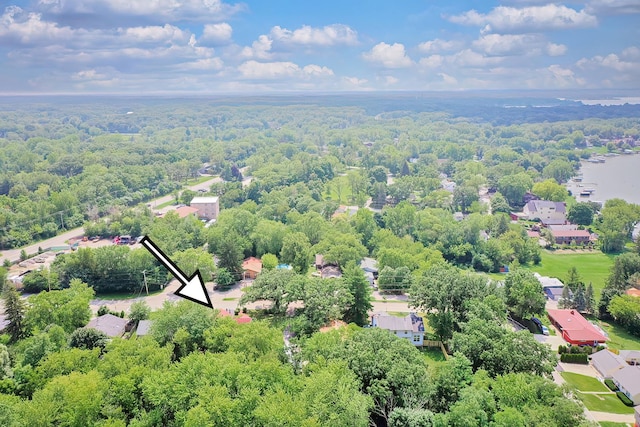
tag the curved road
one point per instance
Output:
(13, 255)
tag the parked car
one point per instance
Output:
(545, 330)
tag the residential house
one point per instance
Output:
(185, 211)
(112, 326)
(637, 416)
(633, 292)
(144, 327)
(632, 357)
(567, 237)
(319, 261)
(370, 268)
(562, 227)
(544, 210)
(251, 266)
(551, 286)
(606, 363)
(628, 381)
(244, 318)
(448, 185)
(330, 272)
(575, 329)
(208, 207)
(410, 327)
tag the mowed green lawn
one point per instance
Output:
(592, 266)
(619, 338)
(604, 403)
(583, 382)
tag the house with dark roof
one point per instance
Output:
(575, 329)
(628, 381)
(112, 326)
(410, 327)
(606, 363)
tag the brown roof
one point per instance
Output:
(570, 233)
(252, 264)
(185, 211)
(633, 292)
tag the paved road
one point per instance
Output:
(616, 418)
(13, 255)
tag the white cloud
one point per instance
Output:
(158, 10)
(469, 58)
(154, 34)
(205, 64)
(506, 44)
(390, 80)
(388, 55)
(448, 80)
(281, 70)
(613, 7)
(438, 45)
(554, 49)
(631, 53)
(260, 49)
(18, 26)
(217, 33)
(433, 61)
(527, 19)
(330, 35)
(610, 61)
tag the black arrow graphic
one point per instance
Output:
(192, 288)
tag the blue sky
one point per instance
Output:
(214, 46)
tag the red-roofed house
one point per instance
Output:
(185, 211)
(575, 329)
(566, 237)
(243, 319)
(252, 266)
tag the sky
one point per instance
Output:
(270, 46)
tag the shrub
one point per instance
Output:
(580, 358)
(624, 398)
(612, 386)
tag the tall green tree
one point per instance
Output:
(581, 214)
(296, 251)
(360, 289)
(14, 311)
(523, 292)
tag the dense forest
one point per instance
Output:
(420, 164)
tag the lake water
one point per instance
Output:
(618, 177)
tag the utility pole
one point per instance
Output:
(61, 221)
(146, 286)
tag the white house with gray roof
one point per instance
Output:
(628, 381)
(607, 363)
(410, 327)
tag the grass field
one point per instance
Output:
(433, 355)
(612, 424)
(583, 382)
(618, 338)
(604, 403)
(592, 266)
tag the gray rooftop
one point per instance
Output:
(112, 326)
(630, 355)
(629, 379)
(393, 323)
(606, 360)
(143, 327)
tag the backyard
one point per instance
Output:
(593, 266)
(595, 395)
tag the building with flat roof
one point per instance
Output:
(208, 207)
(575, 329)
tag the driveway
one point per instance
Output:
(554, 341)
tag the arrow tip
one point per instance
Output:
(194, 290)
